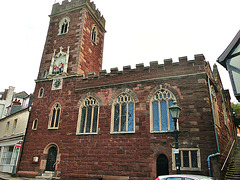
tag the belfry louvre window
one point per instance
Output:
(160, 116)
(123, 114)
(55, 117)
(64, 26)
(88, 116)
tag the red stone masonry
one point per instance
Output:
(124, 154)
(128, 154)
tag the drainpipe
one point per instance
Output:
(209, 162)
(215, 131)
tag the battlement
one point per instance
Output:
(199, 60)
(76, 4)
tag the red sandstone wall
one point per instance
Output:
(124, 154)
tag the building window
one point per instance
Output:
(190, 159)
(88, 116)
(41, 90)
(160, 116)
(224, 110)
(14, 126)
(7, 154)
(215, 106)
(7, 128)
(94, 34)
(35, 123)
(44, 74)
(64, 26)
(123, 118)
(55, 117)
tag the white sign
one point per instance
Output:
(176, 151)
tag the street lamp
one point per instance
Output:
(175, 112)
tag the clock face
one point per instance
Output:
(57, 84)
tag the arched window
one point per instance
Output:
(64, 26)
(35, 123)
(44, 74)
(54, 117)
(123, 118)
(41, 90)
(94, 34)
(88, 116)
(160, 116)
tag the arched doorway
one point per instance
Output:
(51, 159)
(162, 165)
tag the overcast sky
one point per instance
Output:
(138, 31)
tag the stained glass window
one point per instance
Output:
(123, 114)
(89, 116)
(161, 119)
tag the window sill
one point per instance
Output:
(52, 128)
(187, 169)
(124, 132)
(86, 134)
(161, 132)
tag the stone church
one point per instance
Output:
(86, 122)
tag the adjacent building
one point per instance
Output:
(12, 129)
(86, 122)
(230, 59)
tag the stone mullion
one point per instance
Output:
(159, 114)
(85, 123)
(92, 119)
(168, 118)
(190, 159)
(127, 117)
(120, 117)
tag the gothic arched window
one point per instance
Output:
(64, 26)
(88, 116)
(160, 116)
(123, 118)
(94, 34)
(40, 94)
(54, 117)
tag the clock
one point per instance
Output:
(57, 84)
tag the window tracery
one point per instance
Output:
(160, 116)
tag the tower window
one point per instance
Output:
(41, 92)
(64, 26)
(44, 74)
(54, 117)
(35, 122)
(94, 34)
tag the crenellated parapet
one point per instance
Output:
(67, 6)
(198, 62)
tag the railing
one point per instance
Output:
(227, 156)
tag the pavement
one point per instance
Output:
(6, 176)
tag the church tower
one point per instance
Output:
(74, 43)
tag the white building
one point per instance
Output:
(12, 130)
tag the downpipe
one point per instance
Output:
(209, 162)
(215, 130)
